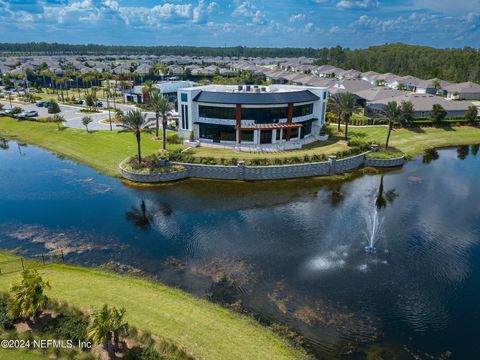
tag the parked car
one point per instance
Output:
(31, 113)
(79, 102)
(99, 104)
(41, 103)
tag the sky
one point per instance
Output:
(260, 23)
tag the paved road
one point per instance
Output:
(73, 116)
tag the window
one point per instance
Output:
(185, 117)
(217, 133)
(264, 115)
(294, 133)
(265, 136)
(184, 97)
(303, 110)
(247, 135)
(324, 95)
(215, 112)
(306, 129)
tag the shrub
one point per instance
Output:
(173, 139)
(70, 325)
(6, 320)
(53, 107)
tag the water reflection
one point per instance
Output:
(4, 144)
(462, 152)
(290, 251)
(139, 216)
(430, 155)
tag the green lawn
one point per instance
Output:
(413, 142)
(201, 328)
(102, 150)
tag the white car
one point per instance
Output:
(31, 113)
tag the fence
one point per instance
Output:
(22, 263)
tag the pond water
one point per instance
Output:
(291, 252)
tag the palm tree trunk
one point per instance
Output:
(164, 125)
(347, 118)
(156, 125)
(137, 134)
(339, 116)
(390, 123)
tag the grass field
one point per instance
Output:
(413, 142)
(20, 355)
(201, 328)
(102, 150)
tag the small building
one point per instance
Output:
(463, 91)
(422, 104)
(252, 116)
(166, 88)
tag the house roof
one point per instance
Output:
(255, 98)
(462, 88)
(425, 102)
(427, 84)
(377, 93)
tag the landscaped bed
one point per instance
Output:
(151, 164)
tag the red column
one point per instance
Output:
(238, 114)
(289, 121)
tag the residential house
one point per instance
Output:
(422, 103)
(463, 91)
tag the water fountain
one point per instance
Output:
(373, 226)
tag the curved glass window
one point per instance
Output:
(303, 110)
(264, 115)
(216, 112)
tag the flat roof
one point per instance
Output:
(252, 98)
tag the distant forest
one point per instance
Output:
(453, 64)
(456, 65)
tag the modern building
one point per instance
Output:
(276, 117)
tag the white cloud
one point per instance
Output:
(297, 18)
(358, 4)
(249, 10)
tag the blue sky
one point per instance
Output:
(272, 23)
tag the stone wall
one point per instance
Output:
(385, 163)
(154, 178)
(242, 172)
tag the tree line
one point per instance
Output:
(234, 51)
(453, 64)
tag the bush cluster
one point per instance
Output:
(178, 156)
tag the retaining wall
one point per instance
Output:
(274, 172)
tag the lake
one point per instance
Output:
(292, 252)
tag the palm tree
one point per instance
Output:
(161, 106)
(148, 88)
(392, 112)
(136, 122)
(334, 103)
(348, 104)
(100, 328)
(28, 298)
(119, 326)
